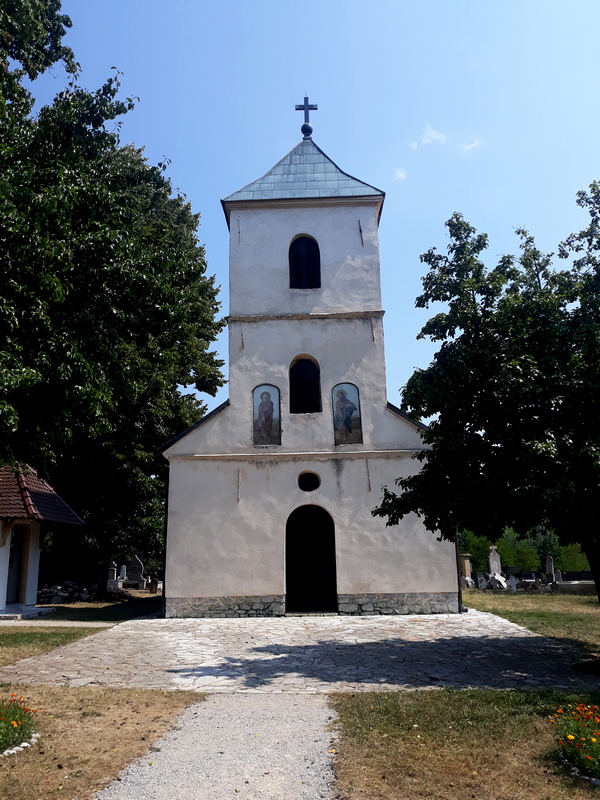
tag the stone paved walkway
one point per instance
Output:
(309, 655)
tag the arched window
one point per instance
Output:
(305, 387)
(347, 424)
(305, 264)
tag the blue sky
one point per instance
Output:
(487, 107)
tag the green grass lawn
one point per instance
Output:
(452, 744)
(18, 642)
(570, 617)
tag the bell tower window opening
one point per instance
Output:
(305, 263)
(305, 387)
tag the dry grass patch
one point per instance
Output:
(452, 745)
(571, 617)
(30, 640)
(88, 735)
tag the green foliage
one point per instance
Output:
(478, 547)
(105, 304)
(571, 559)
(528, 557)
(515, 386)
(16, 722)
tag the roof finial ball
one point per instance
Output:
(307, 128)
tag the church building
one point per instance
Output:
(270, 494)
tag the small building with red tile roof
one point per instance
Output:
(26, 501)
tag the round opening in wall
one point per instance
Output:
(309, 481)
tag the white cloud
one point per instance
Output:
(473, 145)
(400, 174)
(432, 135)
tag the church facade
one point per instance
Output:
(270, 494)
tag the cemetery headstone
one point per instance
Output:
(123, 573)
(135, 573)
(481, 581)
(558, 575)
(498, 582)
(549, 569)
(465, 565)
(512, 583)
(114, 582)
(466, 583)
(494, 561)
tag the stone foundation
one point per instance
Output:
(348, 604)
(268, 606)
(400, 603)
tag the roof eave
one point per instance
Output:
(333, 200)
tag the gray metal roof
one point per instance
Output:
(305, 172)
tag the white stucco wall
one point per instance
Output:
(31, 559)
(4, 561)
(221, 545)
(258, 259)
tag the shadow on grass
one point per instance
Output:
(121, 611)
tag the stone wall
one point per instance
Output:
(399, 603)
(348, 604)
(268, 606)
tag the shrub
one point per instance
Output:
(578, 734)
(16, 722)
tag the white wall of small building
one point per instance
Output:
(227, 521)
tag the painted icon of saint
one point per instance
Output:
(346, 414)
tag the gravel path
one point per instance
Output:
(268, 747)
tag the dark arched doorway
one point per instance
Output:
(310, 574)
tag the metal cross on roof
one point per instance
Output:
(307, 128)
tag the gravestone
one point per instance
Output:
(135, 573)
(113, 583)
(554, 588)
(542, 589)
(512, 583)
(558, 575)
(123, 573)
(481, 581)
(466, 583)
(465, 565)
(498, 582)
(549, 569)
(494, 561)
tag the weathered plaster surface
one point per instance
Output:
(258, 256)
(221, 545)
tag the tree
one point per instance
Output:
(105, 304)
(515, 386)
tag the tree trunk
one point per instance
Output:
(592, 552)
